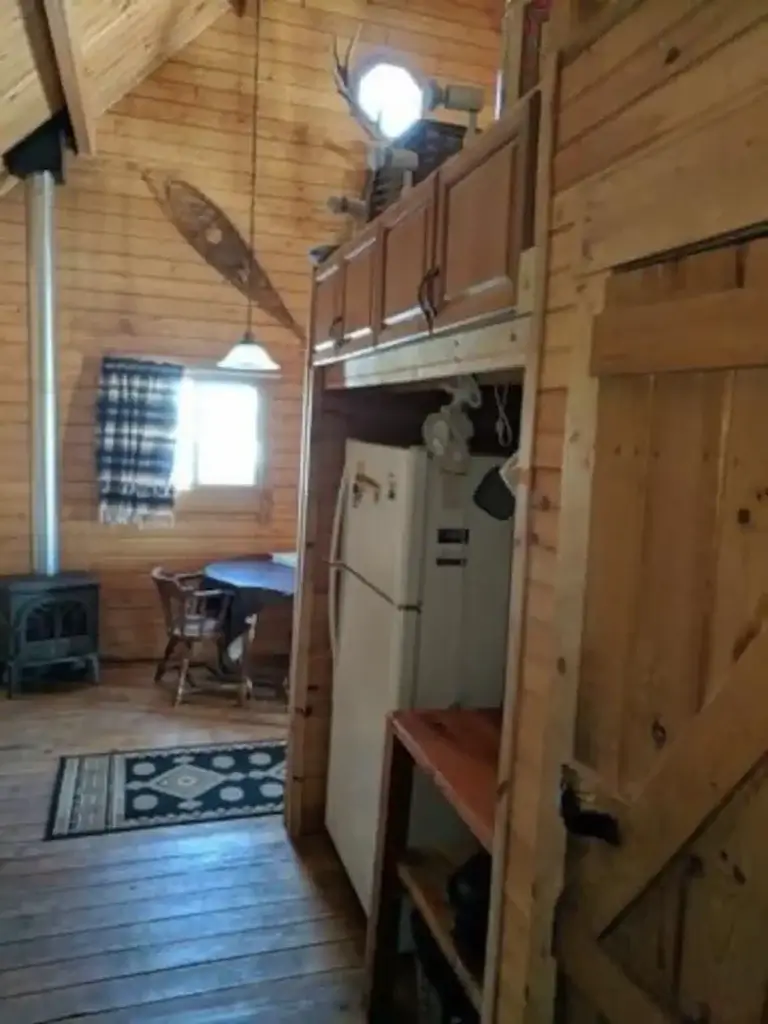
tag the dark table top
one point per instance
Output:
(261, 574)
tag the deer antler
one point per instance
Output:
(341, 78)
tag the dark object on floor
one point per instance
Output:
(99, 793)
(494, 497)
(588, 824)
(455, 1006)
(469, 894)
(191, 615)
(47, 621)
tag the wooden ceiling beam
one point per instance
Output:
(71, 68)
(7, 181)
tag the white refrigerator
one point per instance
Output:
(419, 603)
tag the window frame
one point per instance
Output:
(231, 497)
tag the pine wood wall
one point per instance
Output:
(662, 141)
(128, 282)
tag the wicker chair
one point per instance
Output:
(191, 616)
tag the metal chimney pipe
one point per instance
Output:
(41, 270)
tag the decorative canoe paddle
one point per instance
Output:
(213, 236)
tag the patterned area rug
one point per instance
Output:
(98, 793)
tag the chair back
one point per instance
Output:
(173, 599)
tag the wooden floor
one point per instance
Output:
(196, 924)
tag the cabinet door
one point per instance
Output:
(360, 259)
(326, 309)
(407, 255)
(485, 220)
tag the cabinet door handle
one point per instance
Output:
(429, 291)
(336, 331)
(422, 298)
(426, 297)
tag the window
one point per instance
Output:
(218, 439)
(390, 96)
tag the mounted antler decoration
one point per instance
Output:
(343, 81)
(213, 236)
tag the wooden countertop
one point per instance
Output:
(459, 749)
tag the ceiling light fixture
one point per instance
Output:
(248, 354)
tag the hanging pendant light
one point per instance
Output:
(248, 354)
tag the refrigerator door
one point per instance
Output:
(383, 518)
(465, 597)
(373, 675)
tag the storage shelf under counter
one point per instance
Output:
(458, 749)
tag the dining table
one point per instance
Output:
(254, 582)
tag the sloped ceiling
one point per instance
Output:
(117, 43)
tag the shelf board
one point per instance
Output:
(424, 876)
(459, 749)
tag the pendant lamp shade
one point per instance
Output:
(248, 355)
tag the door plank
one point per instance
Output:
(647, 940)
(723, 966)
(619, 483)
(742, 544)
(664, 674)
(602, 981)
(719, 330)
(712, 755)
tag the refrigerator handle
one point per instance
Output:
(333, 563)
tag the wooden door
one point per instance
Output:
(485, 219)
(671, 731)
(326, 319)
(407, 256)
(359, 294)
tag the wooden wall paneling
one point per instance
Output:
(663, 87)
(680, 170)
(576, 24)
(498, 929)
(130, 284)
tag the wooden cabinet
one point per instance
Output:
(407, 254)
(484, 220)
(445, 256)
(360, 270)
(326, 320)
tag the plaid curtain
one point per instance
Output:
(137, 417)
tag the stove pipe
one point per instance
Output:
(43, 375)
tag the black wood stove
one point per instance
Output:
(48, 621)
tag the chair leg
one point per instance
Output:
(245, 691)
(163, 663)
(182, 684)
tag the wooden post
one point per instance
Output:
(381, 949)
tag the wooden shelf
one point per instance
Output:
(459, 750)
(424, 875)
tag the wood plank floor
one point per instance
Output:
(182, 925)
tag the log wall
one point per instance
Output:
(129, 283)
